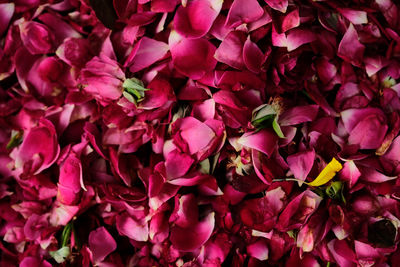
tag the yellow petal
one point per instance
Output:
(327, 173)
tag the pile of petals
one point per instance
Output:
(199, 133)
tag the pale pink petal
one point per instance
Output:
(243, 11)
(196, 18)
(101, 243)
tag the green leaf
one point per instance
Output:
(66, 234)
(134, 90)
(277, 128)
(60, 255)
(15, 140)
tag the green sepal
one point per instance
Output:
(15, 140)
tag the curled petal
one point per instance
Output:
(243, 11)
(350, 48)
(264, 141)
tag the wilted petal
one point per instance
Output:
(342, 253)
(146, 52)
(193, 237)
(374, 176)
(264, 141)
(36, 37)
(243, 11)
(101, 243)
(192, 57)
(350, 48)
(196, 18)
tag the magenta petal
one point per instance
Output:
(373, 176)
(70, 180)
(131, 228)
(186, 212)
(258, 250)
(192, 57)
(297, 115)
(350, 173)
(355, 16)
(367, 127)
(264, 141)
(350, 48)
(301, 163)
(193, 237)
(34, 262)
(243, 11)
(101, 243)
(146, 52)
(6, 13)
(298, 37)
(47, 150)
(253, 57)
(342, 253)
(280, 5)
(196, 18)
(231, 49)
(177, 164)
(365, 251)
(291, 20)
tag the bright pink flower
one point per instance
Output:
(102, 78)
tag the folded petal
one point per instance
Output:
(354, 16)
(298, 37)
(258, 250)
